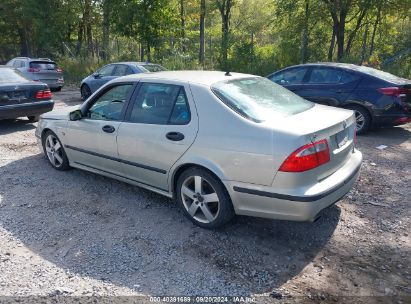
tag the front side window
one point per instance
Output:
(109, 106)
(107, 70)
(162, 104)
(291, 76)
(259, 99)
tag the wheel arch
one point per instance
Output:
(365, 105)
(205, 165)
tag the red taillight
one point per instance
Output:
(33, 70)
(355, 135)
(44, 94)
(307, 157)
(394, 91)
(59, 70)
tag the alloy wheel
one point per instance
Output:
(200, 199)
(360, 120)
(54, 151)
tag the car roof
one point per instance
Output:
(349, 66)
(198, 77)
(134, 63)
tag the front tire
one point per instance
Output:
(85, 91)
(203, 198)
(54, 151)
(362, 118)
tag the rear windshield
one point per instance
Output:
(380, 74)
(10, 76)
(259, 99)
(153, 68)
(43, 65)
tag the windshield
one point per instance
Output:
(259, 99)
(9, 76)
(153, 68)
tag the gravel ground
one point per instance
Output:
(79, 234)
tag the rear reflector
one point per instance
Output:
(403, 120)
(307, 157)
(44, 94)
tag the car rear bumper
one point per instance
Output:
(263, 201)
(26, 109)
(392, 119)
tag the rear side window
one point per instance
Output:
(259, 99)
(331, 76)
(122, 70)
(291, 76)
(162, 104)
(107, 70)
(43, 65)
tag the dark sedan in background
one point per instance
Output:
(377, 98)
(20, 96)
(91, 83)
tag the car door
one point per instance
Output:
(91, 141)
(160, 125)
(328, 85)
(291, 78)
(102, 76)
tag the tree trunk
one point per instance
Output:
(377, 21)
(201, 57)
(225, 9)
(332, 44)
(354, 32)
(304, 40)
(364, 44)
(80, 37)
(24, 42)
(183, 26)
(106, 30)
(341, 35)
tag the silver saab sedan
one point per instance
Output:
(220, 144)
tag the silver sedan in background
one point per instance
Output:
(221, 144)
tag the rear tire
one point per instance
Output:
(203, 198)
(54, 151)
(362, 118)
(85, 91)
(33, 118)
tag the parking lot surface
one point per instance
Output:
(77, 233)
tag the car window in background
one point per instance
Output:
(109, 106)
(259, 99)
(162, 104)
(291, 76)
(121, 70)
(43, 65)
(8, 75)
(153, 67)
(107, 70)
(325, 75)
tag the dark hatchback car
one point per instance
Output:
(377, 98)
(20, 96)
(92, 83)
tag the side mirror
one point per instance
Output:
(96, 75)
(75, 115)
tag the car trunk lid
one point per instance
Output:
(335, 125)
(46, 71)
(19, 93)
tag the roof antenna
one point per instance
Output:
(227, 73)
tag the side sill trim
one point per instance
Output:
(91, 167)
(117, 159)
(297, 198)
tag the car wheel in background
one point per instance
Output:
(33, 118)
(54, 151)
(362, 117)
(204, 198)
(85, 91)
